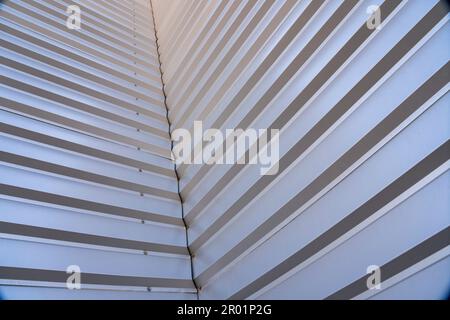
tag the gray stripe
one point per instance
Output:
(103, 40)
(337, 168)
(223, 61)
(73, 124)
(193, 63)
(79, 105)
(60, 25)
(27, 274)
(87, 205)
(247, 59)
(112, 25)
(193, 19)
(203, 34)
(293, 31)
(69, 41)
(284, 78)
(345, 161)
(125, 47)
(334, 64)
(71, 55)
(396, 188)
(61, 235)
(84, 175)
(403, 111)
(77, 71)
(114, 5)
(84, 89)
(63, 144)
(176, 32)
(395, 266)
(210, 60)
(147, 45)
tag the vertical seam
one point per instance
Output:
(171, 148)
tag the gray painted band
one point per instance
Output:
(84, 175)
(205, 48)
(202, 35)
(387, 125)
(214, 54)
(83, 88)
(407, 107)
(265, 35)
(46, 197)
(189, 14)
(69, 236)
(69, 41)
(80, 126)
(395, 266)
(75, 147)
(334, 64)
(80, 105)
(78, 71)
(293, 31)
(389, 193)
(118, 42)
(80, 59)
(92, 278)
(147, 45)
(84, 36)
(243, 36)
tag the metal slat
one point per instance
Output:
(334, 88)
(86, 172)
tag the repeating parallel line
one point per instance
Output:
(92, 278)
(83, 149)
(400, 185)
(51, 198)
(384, 127)
(91, 239)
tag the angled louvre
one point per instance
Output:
(86, 175)
(86, 170)
(363, 167)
